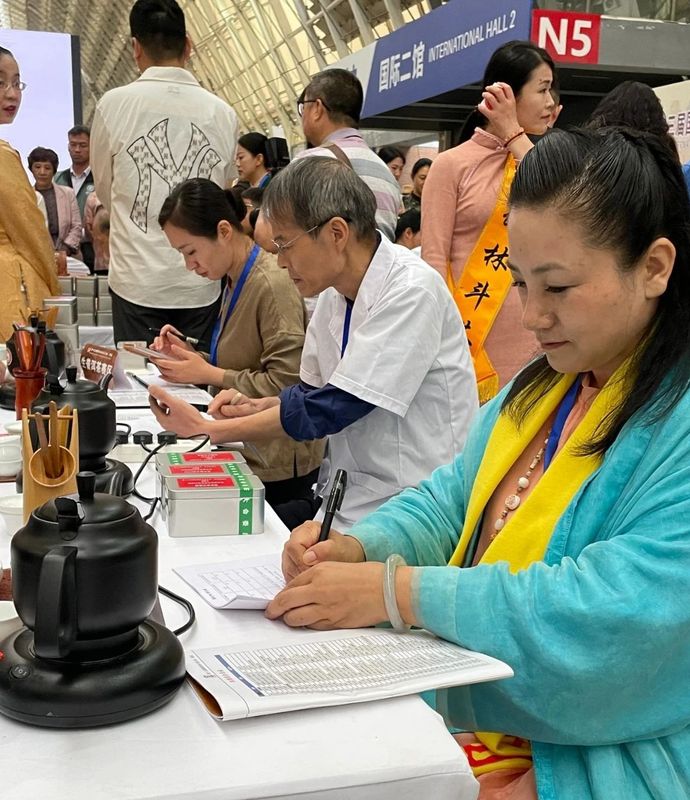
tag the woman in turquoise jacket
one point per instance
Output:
(559, 540)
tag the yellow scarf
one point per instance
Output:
(484, 286)
(526, 535)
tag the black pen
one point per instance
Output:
(189, 339)
(335, 500)
(138, 380)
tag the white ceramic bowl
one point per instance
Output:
(10, 459)
(12, 510)
(14, 427)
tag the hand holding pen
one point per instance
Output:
(168, 336)
(335, 501)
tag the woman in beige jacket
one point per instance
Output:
(258, 337)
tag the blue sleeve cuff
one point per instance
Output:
(308, 413)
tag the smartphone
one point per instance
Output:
(146, 352)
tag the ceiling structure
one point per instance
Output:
(256, 54)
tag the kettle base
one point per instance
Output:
(60, 694)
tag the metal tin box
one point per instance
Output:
(67, 308)
(185, 465)
(85, 286)
(215, 505)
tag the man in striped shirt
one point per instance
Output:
(330, 108)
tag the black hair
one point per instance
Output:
(512, 63)
(254, 194)
(5, 52)
(159, 27)
(255, 143)
(341, 94)
(633, 105)
(43, 154)
(198, 205)
(420, 163)
(624, 189)
(409, 219)
(79, 130)
(388, 153)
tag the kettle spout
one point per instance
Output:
(105, 380)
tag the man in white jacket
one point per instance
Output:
(146, 138)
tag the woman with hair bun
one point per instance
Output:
(251, 159)
(463, 224)
(558, 541)
(258, 337)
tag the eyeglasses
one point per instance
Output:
(301, 102)
(18, 86)
(281, 248)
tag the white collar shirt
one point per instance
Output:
(407, 354)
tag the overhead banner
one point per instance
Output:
(445, 49)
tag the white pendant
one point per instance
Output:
(523, 482)
(499, 524)
(512, 501)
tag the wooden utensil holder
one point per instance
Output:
(38, 486)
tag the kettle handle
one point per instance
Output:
(56, 605)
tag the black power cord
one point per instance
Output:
(185, 604)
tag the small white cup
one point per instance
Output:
(10, 458)
(12, 511)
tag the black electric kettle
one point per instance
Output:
(97, 423)
(84, 581)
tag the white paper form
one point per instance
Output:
(245, 583)
(331, 668)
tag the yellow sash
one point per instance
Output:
(484, 285)
(526, 535)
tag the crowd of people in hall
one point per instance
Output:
(499, 358)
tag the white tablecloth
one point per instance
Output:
(396, 749)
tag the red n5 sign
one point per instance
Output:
(567, 36)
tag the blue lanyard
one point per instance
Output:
(562, 415)
(262, 183)
(346, 325)
(222, 320)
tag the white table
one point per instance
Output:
(396, 749)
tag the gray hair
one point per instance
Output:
(312, 190)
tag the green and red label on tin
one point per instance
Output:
(196, 458)
(246, 512)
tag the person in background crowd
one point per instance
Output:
(385, 365)
(420, 170)
(79, 178)
(252, 201)
(565, 522)
(407, 231)
(251, 159)
(463, 226)
(147, 137)
(62, 211)
(393, 158)
(634, 105)
(330, 107)
(27, 262)
(258, 338)
(557, 106)
(97, 224)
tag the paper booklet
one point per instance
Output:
(245, 583)
(330, 668)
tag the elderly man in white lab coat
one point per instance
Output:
(386, 372)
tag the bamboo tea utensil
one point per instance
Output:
(54, 438)
(39, 486)
(50, 316)
(43, 443)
